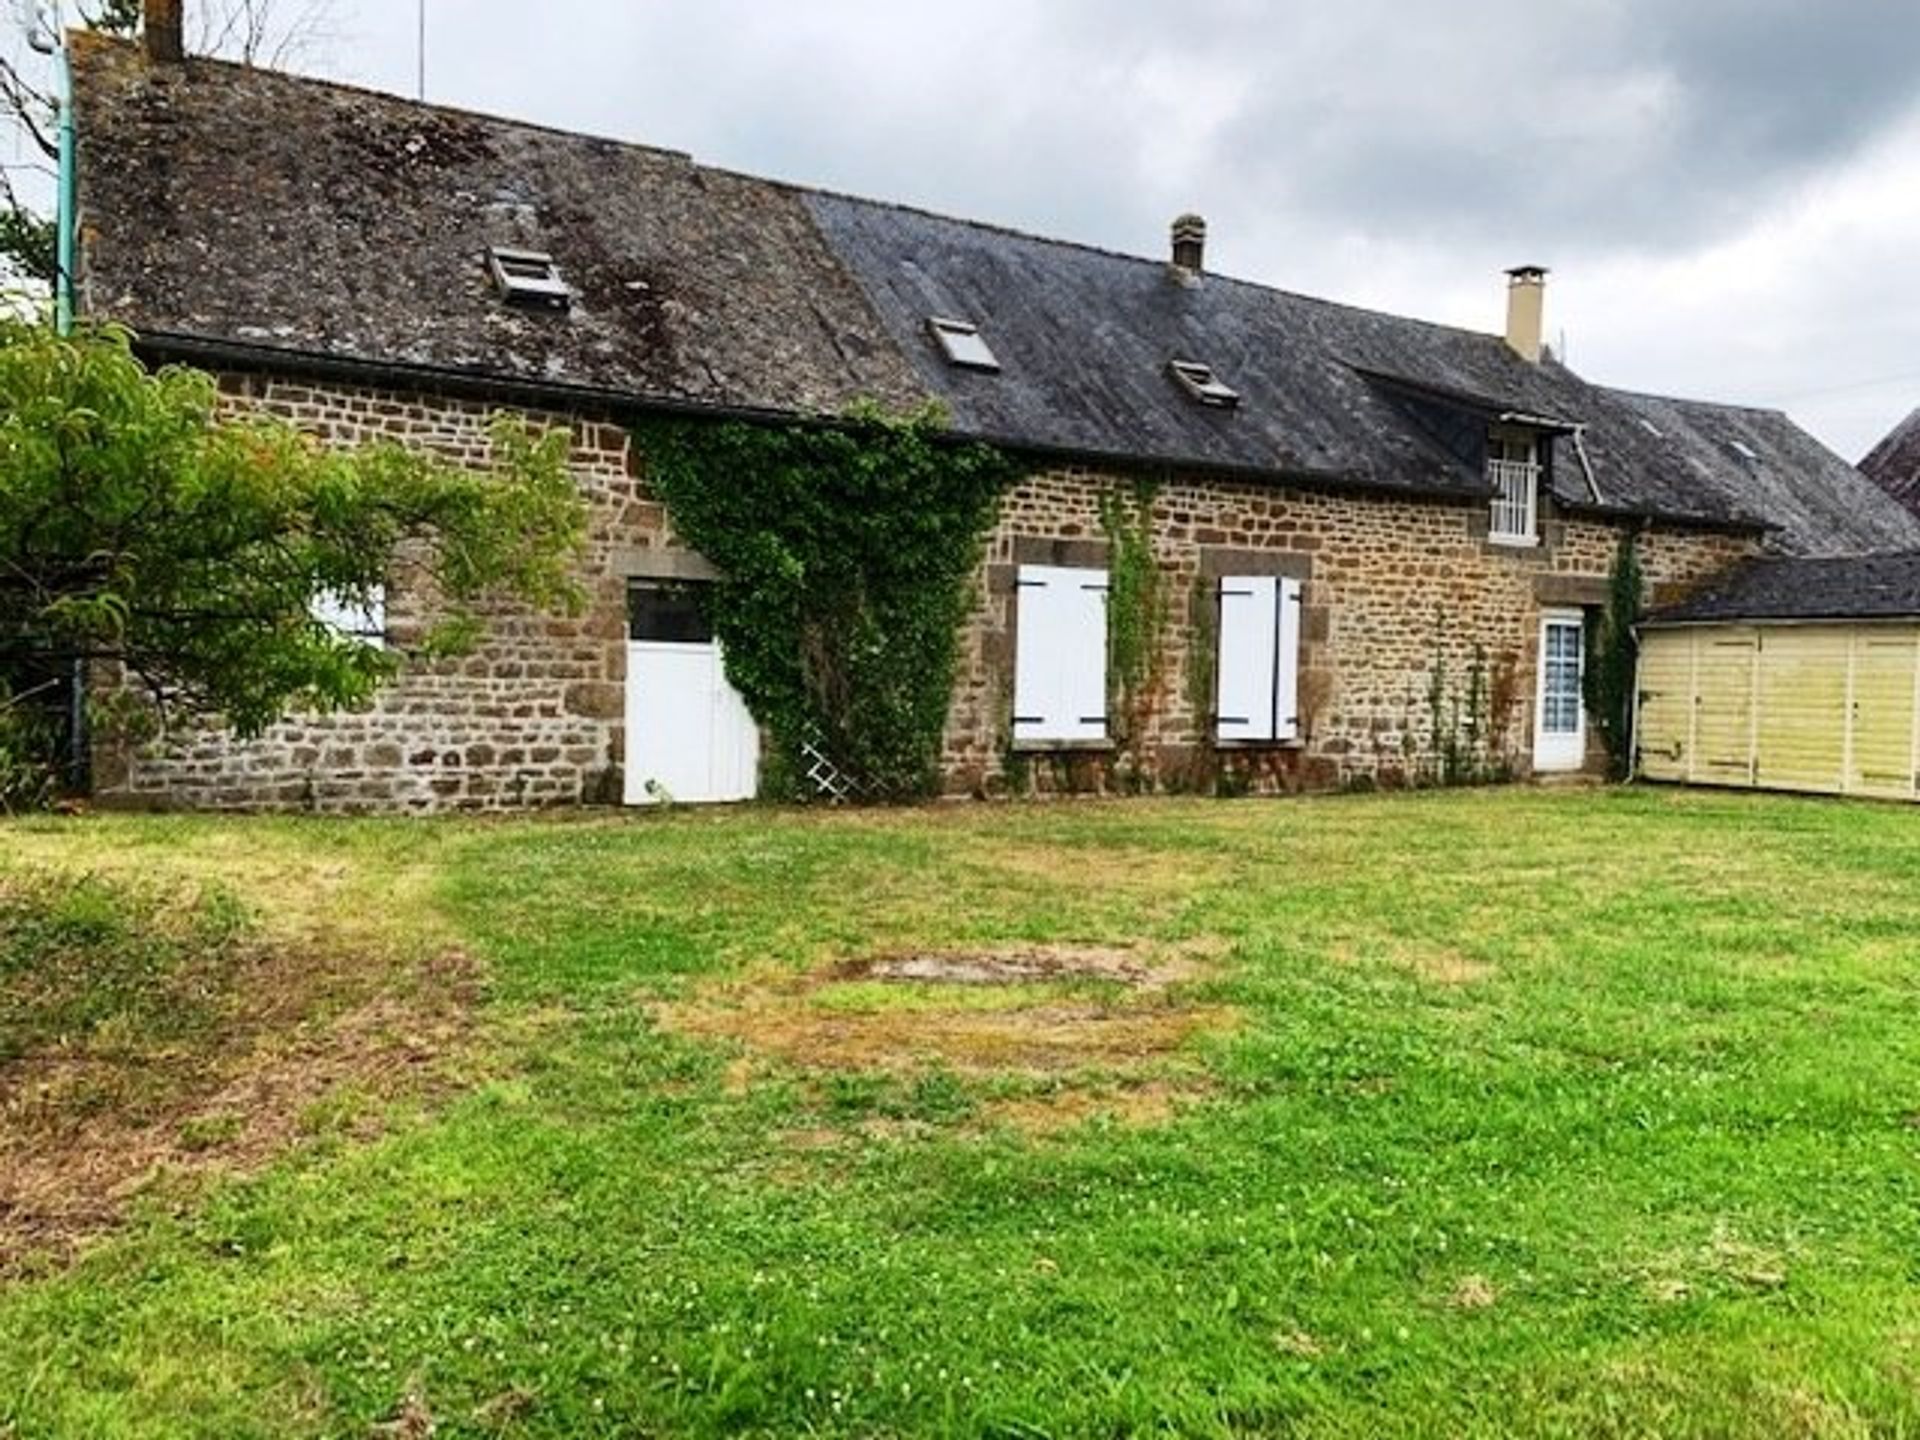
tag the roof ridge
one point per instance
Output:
(95, 39)
(1633, 394)
(1016, 232)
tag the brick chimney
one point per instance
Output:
(1526, 310)
(1190, 244)
(164, 30)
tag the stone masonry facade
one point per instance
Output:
(534, 716)
(1395, 592)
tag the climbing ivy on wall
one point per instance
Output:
(1136, 602)
(1613, 657)
(848, 550)
(1466, 717)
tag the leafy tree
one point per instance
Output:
(141, 528)
(1613, 662)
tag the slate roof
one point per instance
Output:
(1894, 464)
(248, 206)
(1761, 460)
(1873, 587)
(295, 221)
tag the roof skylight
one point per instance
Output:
(1744, 450)
(1199, 381)
(962, 344)
(1652, 429)
(528, 276)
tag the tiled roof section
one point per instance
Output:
(1894, 464)
(1760, 460)
(248, 206)
(298, 218)
(1084, 336)
(1871, 587)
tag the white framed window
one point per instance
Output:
(1257, 686)
(1060, 655)
(351, 619)
(1513, 469)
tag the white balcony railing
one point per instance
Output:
(1515, 484)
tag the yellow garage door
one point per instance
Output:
(1802, 717)
(1723, 707)
(1664, 733)
(1827, 708)
(1884, 760)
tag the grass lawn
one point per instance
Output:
(1491, 1113)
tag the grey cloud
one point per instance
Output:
(1581, 127)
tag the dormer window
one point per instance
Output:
(962, 344)
(1202, 384)
(1513, 469)
(528, 277)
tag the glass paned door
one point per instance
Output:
(1560, 726)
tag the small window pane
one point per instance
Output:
(350, 619)
(963, 344)
(1561, 701)
(1199, 381)
(669, 612)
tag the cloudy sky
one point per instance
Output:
(1728, 191)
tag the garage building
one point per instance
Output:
(1793, 674)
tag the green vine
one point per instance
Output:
(1614, 656)
(1465, 732)
(849, 552)
(1136, 604)
(1202, 661)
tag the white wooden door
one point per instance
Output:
(1560, 714)
(690, 737)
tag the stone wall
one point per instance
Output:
(1395, 592)
(533, 717)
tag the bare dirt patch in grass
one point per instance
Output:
(1723, 1261)
(285, 1043)
(1050, 1011)
(1474, 1292)
(1024, 965)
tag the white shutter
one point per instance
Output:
(1060, 654)
(1286, 680)
(1244, 692)
(1033, 701)
(1083, 662)
(1257, 689)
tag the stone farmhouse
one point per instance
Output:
(1382, 537)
